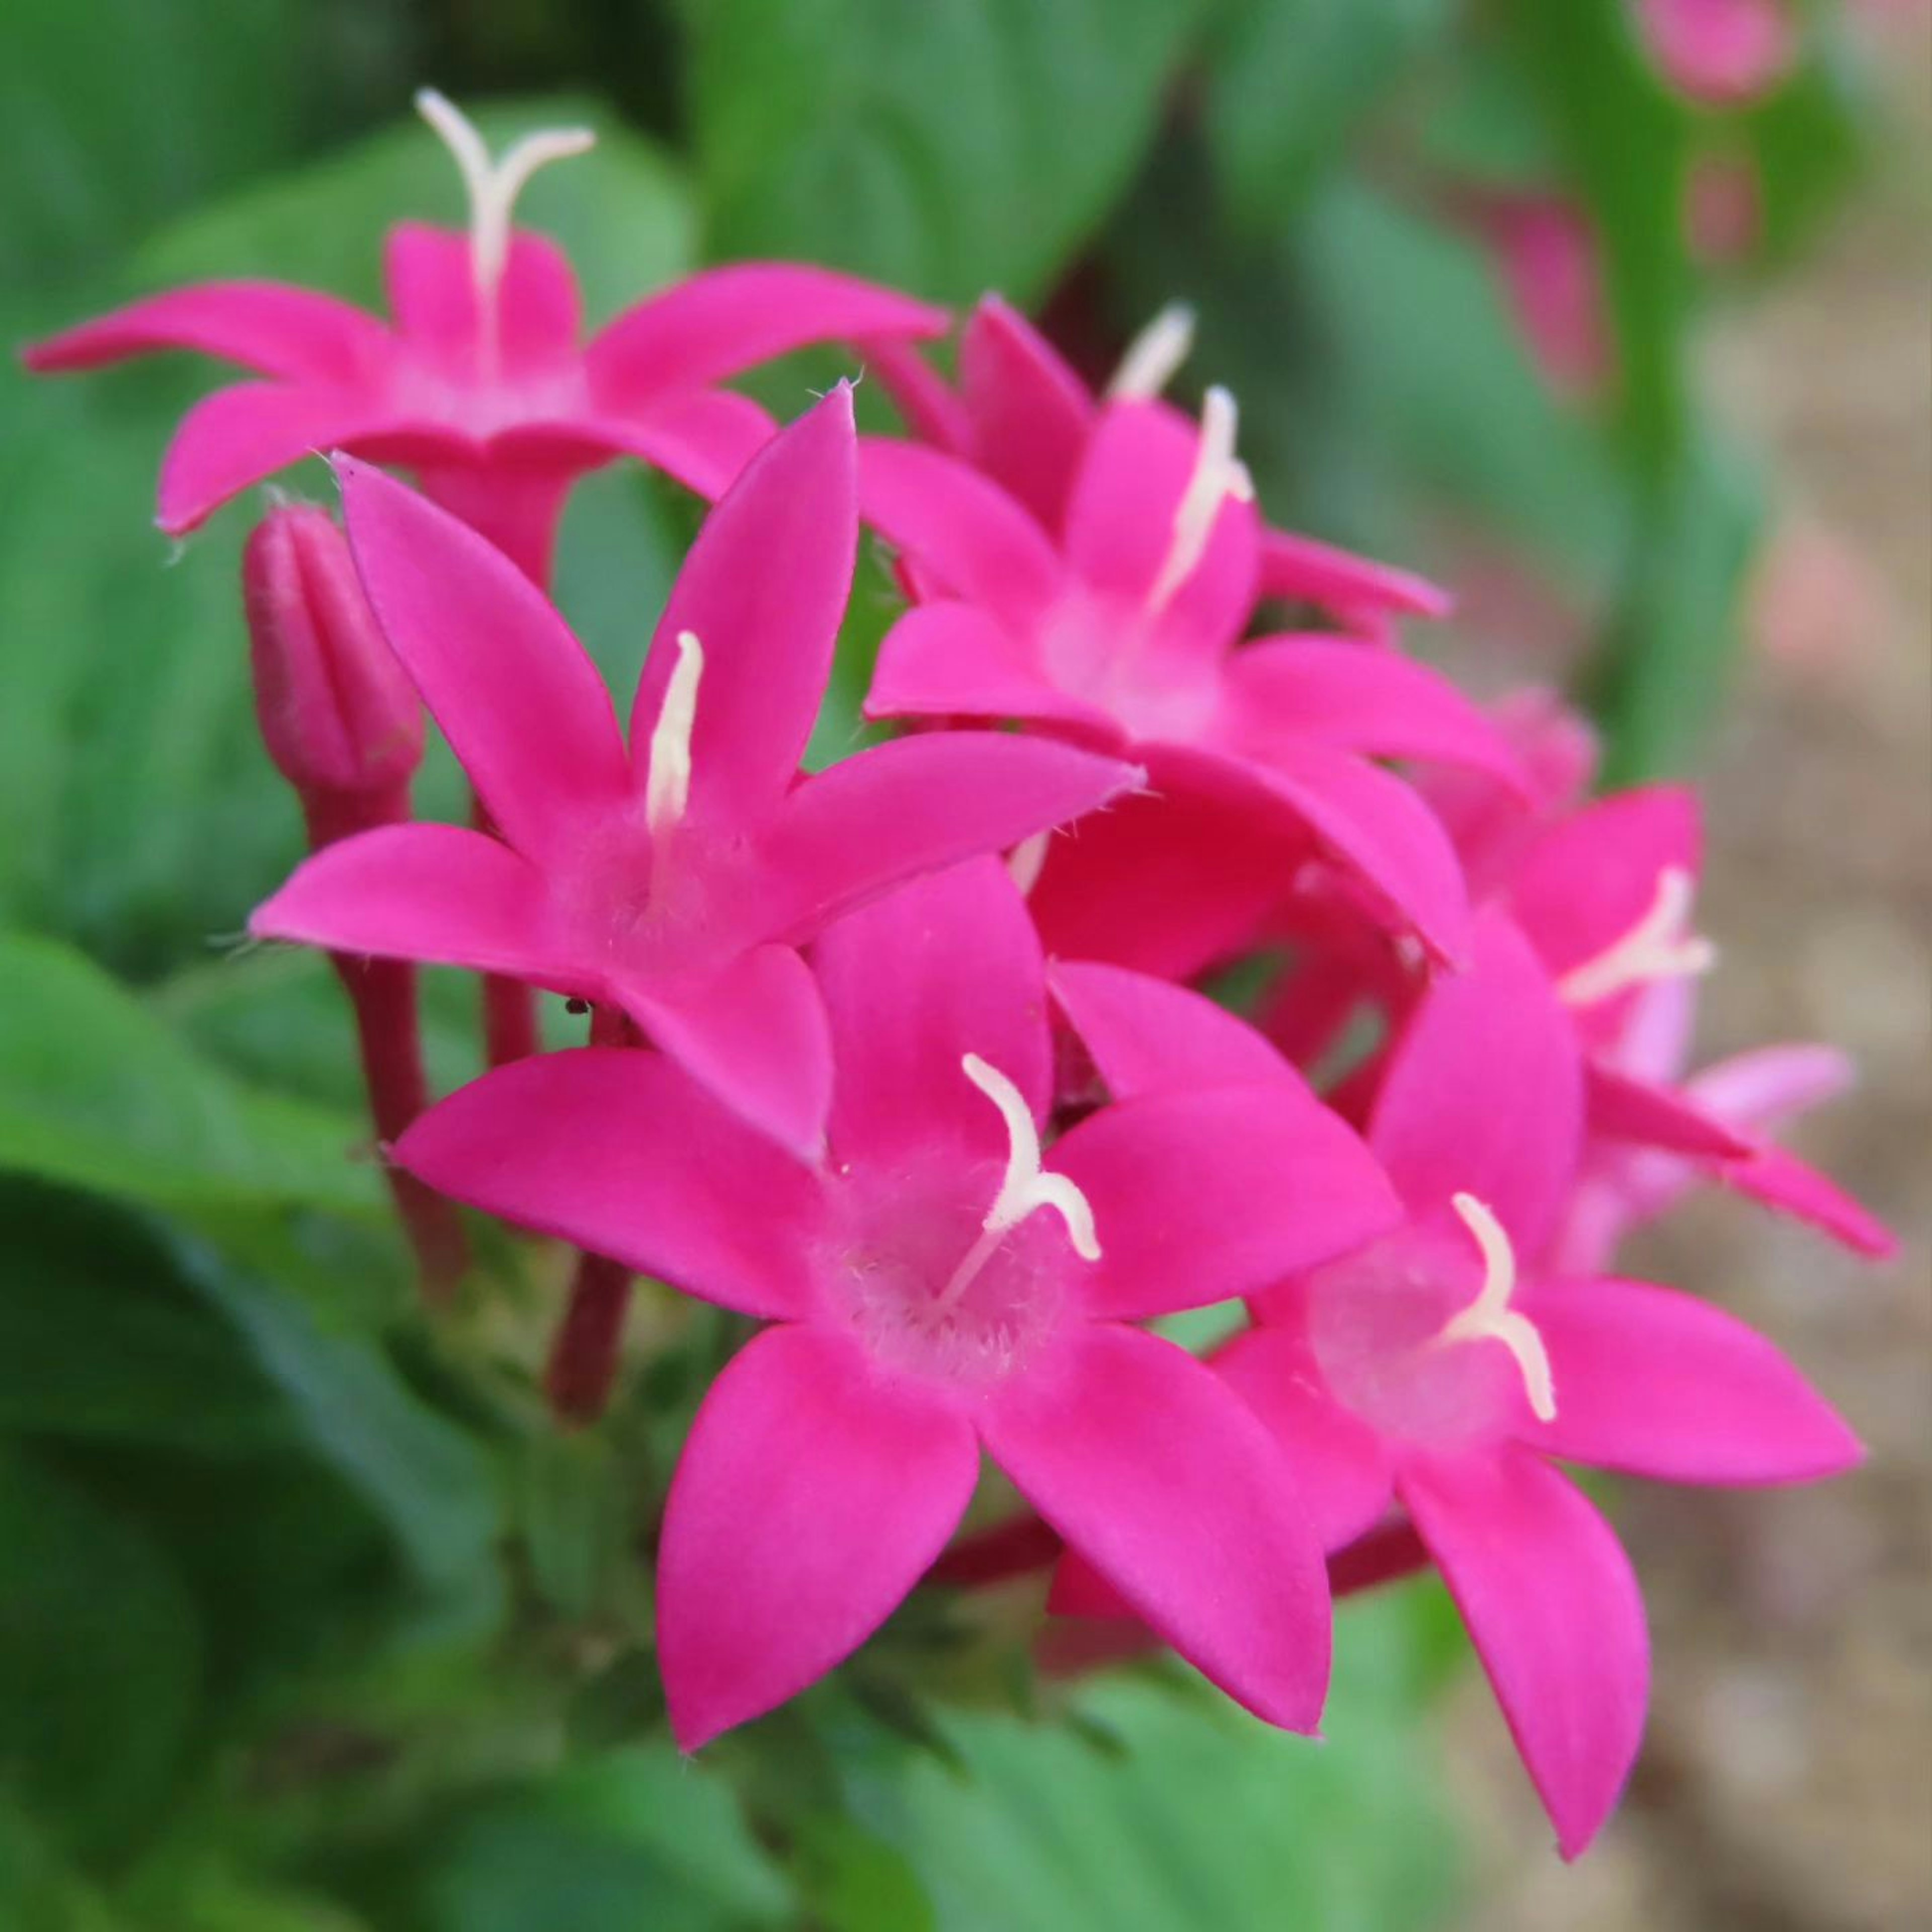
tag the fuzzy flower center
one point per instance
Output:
(1658, 946)
(1219, 474)
(1153, 356)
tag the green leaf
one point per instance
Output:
(957, 146)
(100, 1661)
(1292, 80)
(39, 1890)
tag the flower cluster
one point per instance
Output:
(902, 1060)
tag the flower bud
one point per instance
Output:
(337, 711)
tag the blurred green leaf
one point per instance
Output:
(100, 1660)
(955, 147)
(1290, 81)
(39, 1891)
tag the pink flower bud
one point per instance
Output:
(338, 713)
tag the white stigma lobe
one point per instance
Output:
(1153, 355)
(1656, 947)
(1023, 1188)
(1027, 861)
(494, 185)
(1218, 475)
(1489, 1317)
(668, 777)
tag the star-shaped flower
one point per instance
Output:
(674, 879)
(940, 1283)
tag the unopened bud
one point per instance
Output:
(337, 711)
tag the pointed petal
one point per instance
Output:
(1147, 1037)
(951, 660)
(1659, 1384)
(436, 893)
(242, 435)
(1552, 1604)
(928, 404)
(754, 1035)
(1120, 528)
(960, 526)
(1313, 572)
(292, 333)
(946, 966)
(1377, 703)
(523, 707)
(1781, 1181)
(1341, 1470)
(1623, 1109)
(1163, 1478)
(913, 806)
(715, 324)
(764, 590)
(1210, 1195)
(812, 1495)
(703, 440)
(1769, 1085)
(1484, 1093)
(618, 1150)
(432, 290)
(1031, 413)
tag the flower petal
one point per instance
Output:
(1147, 1037)
(1312, 572)
(812, 1495)
(1341, 1470)
(1769, 1085)
(292, 333)
(961, 527)
(930, 407)
(1659, 1384)
(430, 277)
(754, 1035)
(436, 893)
(764, 590)
(1210, 1195)
(715, 324)
(1636, 1110)
(523, 706)
(1550, 1600)
(620, 1151)
(1163, 1479)
(703, 440)
(1031, 413)
(1377, 703)
(946, 966)
(952, 660)
(916, 804)
(1483, 1093)
(1781, 1181)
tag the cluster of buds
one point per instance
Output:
(903, 1059)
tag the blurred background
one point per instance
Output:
(308, 1622)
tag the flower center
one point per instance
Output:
(1153, 355)
(1489, 1317)
(1219, 474)
(492, 187)
(1656, 947)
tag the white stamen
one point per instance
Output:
(1023, 1188)
(1218, 474)
(494, 186)
(1027, 860)
(1489, 1317)
(1656, 948)
(1153, 355)
(668, 777)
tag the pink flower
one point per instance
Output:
(1434, 1368)
(1023, 414)
(482, 384)
(1722, 53)
(676, 878)
(1547, 257)
(939, 1284)
(1123, 633)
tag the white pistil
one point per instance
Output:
(1023, 1188)
(494, 186)
(1153, 355)
(667, 778)
(1027, 861)
(1219, 474)
(1489, 1317)
(1656, 948)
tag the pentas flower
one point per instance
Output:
(1123, 633)
(1546, 256)
(1721, 53)
(939, 1284)
(1436, 1369)
(481, 383)
(673, 879)
(1024, 416)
